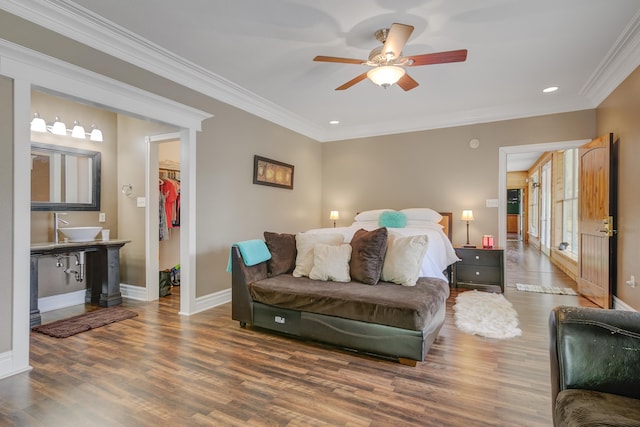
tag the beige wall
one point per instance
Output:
(6, 213)
(230, 207)
(435, 168)
(620, 114)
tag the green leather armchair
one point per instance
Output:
(595, 366)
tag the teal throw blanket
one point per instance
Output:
(253, 252)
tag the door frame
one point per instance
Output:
(152, 245)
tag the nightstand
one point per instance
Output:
(479, 269)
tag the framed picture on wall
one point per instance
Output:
(272, 172)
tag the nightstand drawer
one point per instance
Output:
(480, 257)
(478, 274)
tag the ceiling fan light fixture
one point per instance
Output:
(386, 75)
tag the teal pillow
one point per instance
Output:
(392, 219)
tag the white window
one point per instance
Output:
(570, 200)
(534, 187)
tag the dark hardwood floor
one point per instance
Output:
(162, 369)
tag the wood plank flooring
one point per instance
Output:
(162, 369)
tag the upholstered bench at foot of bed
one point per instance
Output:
(405, 345)
(407, 341)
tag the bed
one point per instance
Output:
(437, 225)
(387, 318)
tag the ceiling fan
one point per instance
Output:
(388, 61)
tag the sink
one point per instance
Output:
(80, 234)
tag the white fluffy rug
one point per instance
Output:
(486, 314)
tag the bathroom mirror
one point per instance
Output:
(64, 178)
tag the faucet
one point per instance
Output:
(56, 221)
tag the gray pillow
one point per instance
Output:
(367, 255)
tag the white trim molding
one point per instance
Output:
(54, 302)
(133, 292)
(618, 304)
(212, 300)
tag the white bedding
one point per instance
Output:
(440, 253)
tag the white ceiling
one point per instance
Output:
(258, 55)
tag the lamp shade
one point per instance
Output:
(334, 215)
(78, 131)
(59, 128)
(38, 124)
(467, 215)
(386, 75)
(96, 134)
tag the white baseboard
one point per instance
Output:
(212, 300)
(69, 299)
(618, 304)
(133, 292)
(7, 365)
(55, 302)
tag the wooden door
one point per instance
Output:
(597, 216)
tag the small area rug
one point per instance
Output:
(545, 289)
(84, 322)
(486, 314)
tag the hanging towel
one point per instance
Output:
(253, 252)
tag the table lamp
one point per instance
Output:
(467, 215)
(334, 216)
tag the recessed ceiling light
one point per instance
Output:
(550, 89)
(334, 122)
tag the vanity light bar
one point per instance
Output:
(38, 124)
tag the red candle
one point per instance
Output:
(487, 241)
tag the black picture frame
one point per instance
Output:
(272, 173)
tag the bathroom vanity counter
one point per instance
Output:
(101, 271)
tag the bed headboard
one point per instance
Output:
(446, 223)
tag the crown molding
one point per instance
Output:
(616, 66)
(82, 25)
(70, 80)
(77, 23)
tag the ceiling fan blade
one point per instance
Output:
(396, 39)
(339, 60)
(407, 83)
(438, 58)
(353, 81)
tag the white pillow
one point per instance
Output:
(403, 259)
(422, 214)
(370, 215)
(424, 224)
(331, 263)
(304, 245)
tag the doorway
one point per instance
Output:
(503, 153)
(164, 242)
(514, 214)
(29, 71)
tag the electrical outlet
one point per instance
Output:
(102, 217)
(632, 281)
